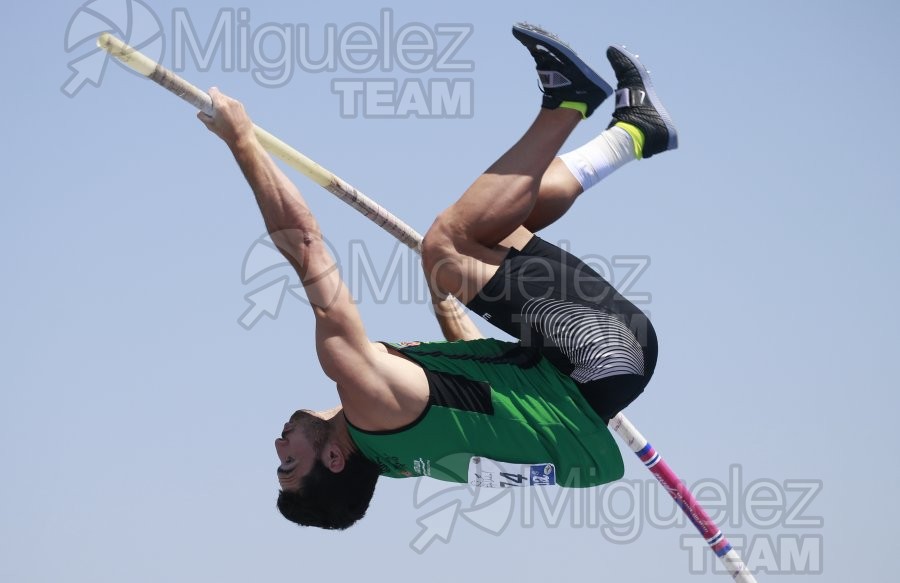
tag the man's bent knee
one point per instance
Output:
(453, 263)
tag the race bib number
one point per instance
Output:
(487, 473)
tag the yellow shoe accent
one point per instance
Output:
(577, 106)
(637, 136)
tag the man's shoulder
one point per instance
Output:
(393, 393)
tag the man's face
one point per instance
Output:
(300, 443)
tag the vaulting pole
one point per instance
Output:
(140, 63)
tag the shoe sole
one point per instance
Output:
(654, 98)
(542, 36)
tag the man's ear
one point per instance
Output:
(333, 458)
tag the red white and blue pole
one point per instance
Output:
(683, 497)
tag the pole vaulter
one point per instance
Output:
(618, 423)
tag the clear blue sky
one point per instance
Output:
(137, 415)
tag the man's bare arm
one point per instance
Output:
(343, 348)
(455, 323)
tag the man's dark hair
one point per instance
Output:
(332, 500)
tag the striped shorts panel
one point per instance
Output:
(555, 303)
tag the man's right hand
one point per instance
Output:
(229, 120)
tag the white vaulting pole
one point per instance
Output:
(619, 424)
(140, 63)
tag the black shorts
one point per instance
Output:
(558, 306)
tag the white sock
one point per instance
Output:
(597, 159)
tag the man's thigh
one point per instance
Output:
(462, 268)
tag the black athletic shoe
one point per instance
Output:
(562, 73)
(638, 104)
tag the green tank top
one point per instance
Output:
(512, 406)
